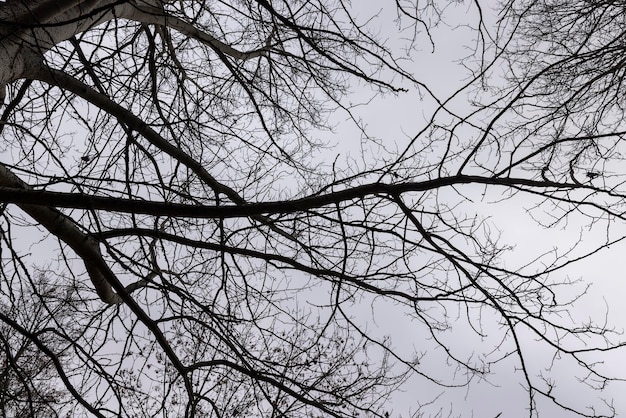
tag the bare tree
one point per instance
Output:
(31, 347)
(167, 148)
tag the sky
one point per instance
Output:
(394, 120)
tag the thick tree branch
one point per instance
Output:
(66, 230)
(148, 14)
(31, 29)
(115, 204)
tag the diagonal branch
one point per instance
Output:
(66, 82)
(66, 230)
(148, 14)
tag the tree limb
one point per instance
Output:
(64, 228)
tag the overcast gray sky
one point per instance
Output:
(394, 120)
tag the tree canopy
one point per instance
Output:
(182, 219)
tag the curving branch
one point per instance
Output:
(149, 14)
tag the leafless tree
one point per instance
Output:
(32, 313)
(166, 153)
